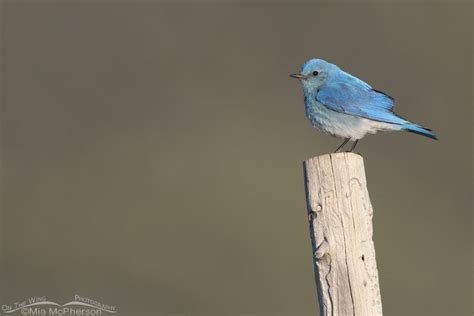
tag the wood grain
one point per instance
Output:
(340, 218)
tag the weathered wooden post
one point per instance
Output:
(340, 220)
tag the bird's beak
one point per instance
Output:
(297, 76)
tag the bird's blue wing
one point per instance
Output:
(354, 97)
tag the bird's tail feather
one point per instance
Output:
(417, 129)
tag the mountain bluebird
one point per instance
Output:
(344, 106)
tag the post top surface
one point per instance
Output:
(335, 156)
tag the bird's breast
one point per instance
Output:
(335, 123)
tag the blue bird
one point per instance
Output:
(344, 106)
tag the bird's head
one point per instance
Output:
(315, 72)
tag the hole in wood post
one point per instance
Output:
(363, 258)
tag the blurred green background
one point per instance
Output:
(151, 152)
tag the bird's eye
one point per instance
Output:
(315, 73)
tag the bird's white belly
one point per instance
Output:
(343, 125)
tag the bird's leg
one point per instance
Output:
(354, 144)
(342, 145)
